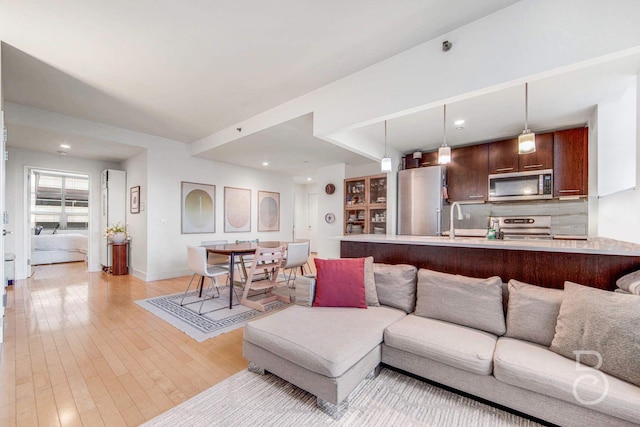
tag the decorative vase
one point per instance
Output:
(118, 237)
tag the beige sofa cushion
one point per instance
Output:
(371, 294)
(396, 285)
(605, 324)
(630, 282)
(466, 301)
(532, 312)
(325, 340)
(458, 346)
(536, 368)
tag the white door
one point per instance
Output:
(2, 210)
(312, 209)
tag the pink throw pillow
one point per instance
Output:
(340, 283)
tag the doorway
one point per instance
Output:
(57, 217)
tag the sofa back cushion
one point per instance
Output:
(396, 285)
(370, 291)
(466, 301)
(532, 312)
(600, 329)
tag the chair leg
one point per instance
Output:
(214, 284)
(185, 292)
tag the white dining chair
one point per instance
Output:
(308, 256)
(216, 259)
(297, 256)
(197, 261)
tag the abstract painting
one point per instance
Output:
(198, 208)
(237, 210)
(268, 211)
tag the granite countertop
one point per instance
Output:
(597, 245)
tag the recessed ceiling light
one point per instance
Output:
(65, 146)
(459, 127)
(265, 163)
(309, 179)
(458, 122)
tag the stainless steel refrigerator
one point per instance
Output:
(420, 201)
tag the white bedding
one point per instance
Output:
(55, 248)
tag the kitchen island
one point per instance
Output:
(595, 262)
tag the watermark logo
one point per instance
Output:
(594, 376)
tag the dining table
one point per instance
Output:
(232, 250)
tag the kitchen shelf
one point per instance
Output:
(365, 204)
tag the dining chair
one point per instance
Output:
(245, 260)
(308, 256)
(269, 259)
(216, 259)
(197, 261)
(297, 256)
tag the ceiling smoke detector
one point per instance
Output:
(446, 45)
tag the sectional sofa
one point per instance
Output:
(515, 345)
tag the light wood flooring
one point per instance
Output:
(78, 351)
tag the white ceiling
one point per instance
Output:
(184, 70)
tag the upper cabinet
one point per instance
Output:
(427, 159)
(571, 168)
(467, 175)
(504, 157)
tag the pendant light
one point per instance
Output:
(444, 152)
(527, 139)
(385, 163)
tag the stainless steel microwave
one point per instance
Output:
(530, 185)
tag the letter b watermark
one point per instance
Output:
(594, 376)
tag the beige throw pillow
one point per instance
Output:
(371, 294)
(396, 285)
(630, 282)
(532, 312)
(604, 324)
(466, 301)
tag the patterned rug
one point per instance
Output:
(209, 324)
(392, 399)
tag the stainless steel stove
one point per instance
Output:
(533, 227)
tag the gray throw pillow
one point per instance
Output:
(532, 312)
(305, 290)
(396, 285)
(630, 282)
(603, 327)
(466, 301)
(371, 294)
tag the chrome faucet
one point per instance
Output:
(452, 232)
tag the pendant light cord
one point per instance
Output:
(444, 126)
(526, 106)
(385, 138)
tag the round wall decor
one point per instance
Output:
(330, 218)
(330, 189)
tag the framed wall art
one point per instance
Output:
(268, 211)
(237, 210)
(198, 209)
(134, 200)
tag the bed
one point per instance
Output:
(56, 248)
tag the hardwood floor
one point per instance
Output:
(79, 351)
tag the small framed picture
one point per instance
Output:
(134, 200)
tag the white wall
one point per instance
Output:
(168, 165)
(617, 143)
(618, 213)
(136, 168)
(329, 234)
(16, 199)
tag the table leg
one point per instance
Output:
(231, 267)
(200, 286)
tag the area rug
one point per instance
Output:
(210, 324)
(391, 399)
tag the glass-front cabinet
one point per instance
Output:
(365, 205)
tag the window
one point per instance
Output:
(59, 200)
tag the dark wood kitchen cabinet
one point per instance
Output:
(571, 162)
(504, 157)
(427, 159)
(467, 174)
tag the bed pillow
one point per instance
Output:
(532, 312)
(396, 285)
(600, 329)
(630, 283)
(466, 301)
(340, 283)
